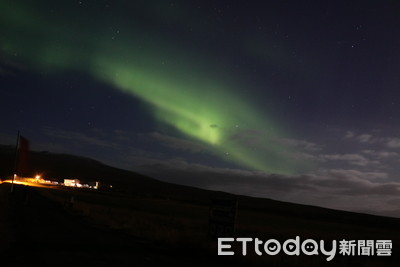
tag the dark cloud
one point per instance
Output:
(325, 187)
(381, 154)
(95, 137)
(302, 144)
(393, 142)
(352, 159)
(367, 138)
(177, 143)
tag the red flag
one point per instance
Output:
(23, 154)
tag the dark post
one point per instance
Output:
(15, 163)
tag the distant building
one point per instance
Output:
(72, 182)
(94, 185)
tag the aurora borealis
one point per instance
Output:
(179, 93)
(276, 95)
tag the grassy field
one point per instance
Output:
(164, 221)
(183, 224)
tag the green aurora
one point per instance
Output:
(198, 100)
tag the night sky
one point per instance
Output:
(290, 100)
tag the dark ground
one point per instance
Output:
(40, 232)
(36, 230)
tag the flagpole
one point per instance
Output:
(15, 163)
